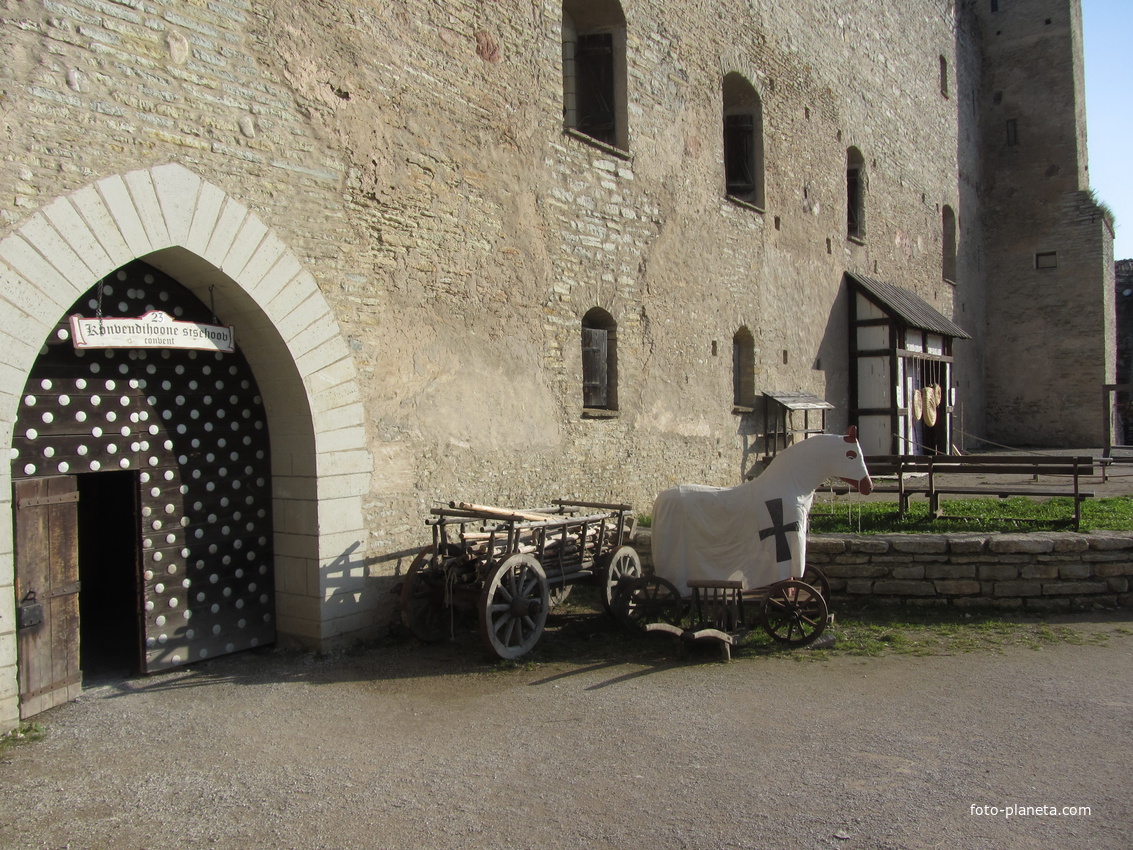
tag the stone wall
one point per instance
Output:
(1049, 275)
(1026, 572)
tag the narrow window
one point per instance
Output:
(1012, 132)
(599, 360)
(855, 194)
(943, 76)
(743, 141)
(743, 368)
(594, 71)
(995, 5)
(948, 238)
(1046, 260)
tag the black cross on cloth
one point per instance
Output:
(782, 544)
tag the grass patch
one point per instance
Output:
(26, 733)
(579, 632)
(1015, 514)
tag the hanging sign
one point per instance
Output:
(155, 329)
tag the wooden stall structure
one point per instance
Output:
(901, 378)
(789, 417)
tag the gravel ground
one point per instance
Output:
(405, 746)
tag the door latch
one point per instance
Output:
(29, 612)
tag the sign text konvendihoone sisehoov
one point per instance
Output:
(155, 329)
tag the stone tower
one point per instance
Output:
(1049, 255)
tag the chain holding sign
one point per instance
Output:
(155, 329)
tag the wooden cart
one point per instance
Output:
(793, 612)
(512, 566)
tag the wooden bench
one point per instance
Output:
(920, 475)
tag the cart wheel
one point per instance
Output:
(513, 606)
(817, 579)
(648, 599)
(793, 613)
(623, 562)
(558, 595)
(423, 599)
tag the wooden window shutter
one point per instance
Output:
(739, 153)
(854, 201)
(594, 70)
(595, 375)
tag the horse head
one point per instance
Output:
(854, 471)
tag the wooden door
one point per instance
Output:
(47, 573)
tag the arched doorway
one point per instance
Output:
(170, 457)
(314, 414)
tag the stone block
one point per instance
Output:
(855, 571)
(998, 572)
(913, 572)
(950, 571)
(957, 587)
(919, 545)
(825, 545)
(1117, 568)
(1109, 541)
(1047, 603)
(986, 601)
(967, 545)
(1070, 543)
(894, 587)
(859, 587)
(1078, 570)
(1039, 571)
(1013, 544)
(870, 546)
(1074, 588)
(1018, 588)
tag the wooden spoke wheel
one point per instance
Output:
(423, 598)
(817, 579)
(648, 599)
(559, 594)
(622, 563)
(513, 606)
(793, 613)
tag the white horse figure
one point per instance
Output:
(755, 532)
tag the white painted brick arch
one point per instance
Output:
(195, 232)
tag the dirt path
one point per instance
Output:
(411, 747)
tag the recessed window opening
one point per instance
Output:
(599, 360)
(948, 248)
(855, 194)
(943, 76)
(594, 71)
(743, 368)
(1012, 132)
(1046, 260)
(743, 140)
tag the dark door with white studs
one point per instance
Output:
(190, 428)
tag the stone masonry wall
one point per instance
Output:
(1024, 572)
(1049, 274)
(412, 155)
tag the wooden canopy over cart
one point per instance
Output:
(512, 566)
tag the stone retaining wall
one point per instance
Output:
(1035, 572)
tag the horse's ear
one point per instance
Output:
(851, 434)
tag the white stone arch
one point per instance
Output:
(194, 231)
